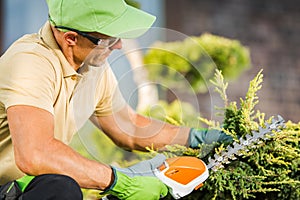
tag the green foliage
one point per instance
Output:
(240, 120)
(269, 170)
(177, 113)
(229, 55)
(195, 60)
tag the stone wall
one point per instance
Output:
(271, 30)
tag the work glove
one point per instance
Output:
(144, 168)
(207, 136)
(137, 187)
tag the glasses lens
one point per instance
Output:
(109, 42)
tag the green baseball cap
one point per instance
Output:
(110, 17)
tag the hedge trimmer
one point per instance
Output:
(184, 174)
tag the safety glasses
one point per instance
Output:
(101, 42)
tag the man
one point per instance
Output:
(54, 81)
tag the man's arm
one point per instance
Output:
(133, 131)
(38, 152)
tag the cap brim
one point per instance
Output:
(131, 24)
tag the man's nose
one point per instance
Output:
(118, 45)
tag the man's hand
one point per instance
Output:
(137, 187)
(207, 136)
(144, 168)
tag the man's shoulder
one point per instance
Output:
(30, 44)
(29, 49)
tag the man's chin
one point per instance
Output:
(98, 59)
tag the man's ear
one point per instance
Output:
(70, 37)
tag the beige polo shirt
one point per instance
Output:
(34, 72)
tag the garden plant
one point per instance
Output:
(268, 170)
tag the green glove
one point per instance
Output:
(207, 136)
(135, 188)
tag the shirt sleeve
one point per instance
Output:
(28, 79)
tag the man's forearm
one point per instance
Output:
(133, 131)
(159, 134)
(58, 158)
(38, 152)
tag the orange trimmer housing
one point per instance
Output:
(182, 175)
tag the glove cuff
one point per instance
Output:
(207, 136)
(112, 185)
(119, 185)
(195, 138)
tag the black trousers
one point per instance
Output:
(52, 187)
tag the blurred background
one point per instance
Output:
(270, 29)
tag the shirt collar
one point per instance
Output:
(47, 36)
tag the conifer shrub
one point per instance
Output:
(268, 170)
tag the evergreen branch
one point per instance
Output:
(220, 86)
